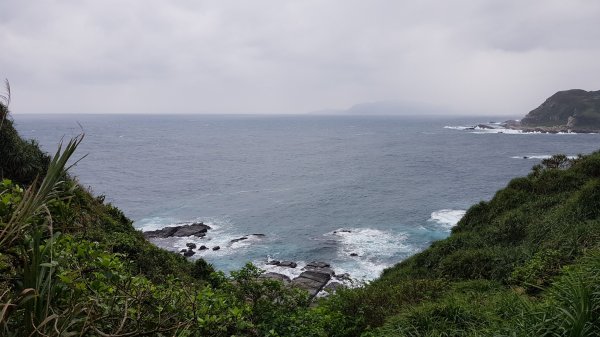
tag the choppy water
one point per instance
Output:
(395, 183)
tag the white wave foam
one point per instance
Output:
(154, 223)
(362, 252)
(221, 234)
(478, 130)
(369, 242)
(356, 277)
(535, 156)
(360, 270)
(497, 130)
(447, 218)
(289, 272)
(459, 127)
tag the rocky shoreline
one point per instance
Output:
(317, 278)
(197, 230)
(516, 125)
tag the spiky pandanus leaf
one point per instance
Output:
(38, 266)
(35, 198)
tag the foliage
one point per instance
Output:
(21, 161)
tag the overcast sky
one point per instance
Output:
(177, 56)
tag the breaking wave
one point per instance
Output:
(447, 218)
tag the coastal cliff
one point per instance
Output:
(569, 110)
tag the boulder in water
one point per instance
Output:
(331, 287)
(197, 229)
(240, 239)
(189, 253)
(289, 264)
(316, 264)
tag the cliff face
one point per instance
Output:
(570, 109)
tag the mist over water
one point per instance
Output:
(320, 188)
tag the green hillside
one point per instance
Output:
(526, 263)
(570, 109)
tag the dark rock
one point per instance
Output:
(320, 267)
(196, 229)
(525, 157)
(191, 245)
(353, 254)
(331, 287)
(259, 235)
(344, 277)
(483, 126)
(240, 239)
(183, 251)
(189, 253)
(276, 276)
(342, 231)
(161, 233)
(274, 262)
(313, 287)
(216, 248)
(325, 270)
(316, 276)
(203, 247)
(312, 281)
(289, 264)
(316, 264)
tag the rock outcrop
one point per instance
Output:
(570, 110)
(312, 281)
(289, 264)
(197, 229)
(315, 277)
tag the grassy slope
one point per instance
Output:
(497, 260)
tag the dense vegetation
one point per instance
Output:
(526, 263)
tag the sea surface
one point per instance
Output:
(320, 188)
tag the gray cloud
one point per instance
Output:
(270, 56)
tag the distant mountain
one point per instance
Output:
(574, 109)
(386, 108)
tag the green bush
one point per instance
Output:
(539, 270)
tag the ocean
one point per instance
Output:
(359, 192)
